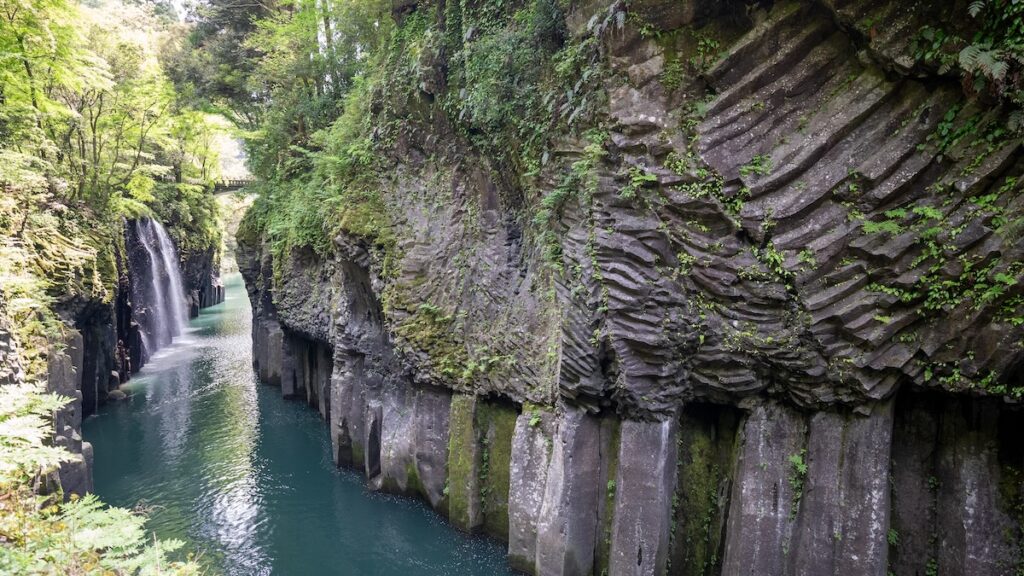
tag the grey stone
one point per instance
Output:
(531, 455)
(567, 526)
(763, 501)
(843, 520)
(644, 487)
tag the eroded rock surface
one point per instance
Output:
(768, 323)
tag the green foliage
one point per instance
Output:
(797, 476)
(517, 77)
(304, 82)
(673, 74)
(90, 132)
(638, 178)
(990, 60)
(760, 165)
(428, 328)
(807, 257)
(579, 182)
(338, 193)
(534, 419)
(25, 421)
(82, 536)
(773, 259)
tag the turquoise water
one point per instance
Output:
(246, 478)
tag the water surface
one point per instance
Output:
(246, 478)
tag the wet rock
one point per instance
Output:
(721, 263)
(567, 526)
(414, 451)
(430, 444)
(464, 461)
(644, 487)
(707, 452)
(764, 501)
(531, 453)
(956, 486)
(844, 512)
(348, 396)
(495, 425)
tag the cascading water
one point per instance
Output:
(158, 293)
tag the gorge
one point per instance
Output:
(614, 287)
(246, 478)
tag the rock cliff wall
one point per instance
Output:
(754, 311)
(100, 349)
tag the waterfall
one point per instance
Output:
(158, 293)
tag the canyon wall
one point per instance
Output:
(99, 350)
(757, 311)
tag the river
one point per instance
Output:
(245, 477)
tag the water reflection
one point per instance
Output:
(246, 478)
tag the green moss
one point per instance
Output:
(430, 329)
(706, 449)
(413, 484)
(496, 424)
(358, 455)
(463, 464)
(604, 547)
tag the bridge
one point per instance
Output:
(230, 185)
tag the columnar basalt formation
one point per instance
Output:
(772, 328)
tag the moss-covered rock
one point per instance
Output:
(464, 463)
(495, 424)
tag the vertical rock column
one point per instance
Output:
(321, 383)
(348, 401)
(495, 424)
(764, 499)
(843, 520)
(528, 474)
(479, 457)
(611, 432)
(957, 487)
(567, 525)
(464, 460)
(65, 378)
(431, 409)
(293, 353)
(268, 349)
(645, 484)
(414, 443)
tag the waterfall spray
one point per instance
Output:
(159, 293)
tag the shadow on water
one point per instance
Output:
(246, 478)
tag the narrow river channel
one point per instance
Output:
(246, 478)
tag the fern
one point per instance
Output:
(82, 536)
(982, 59)
(24, 430)
(990, 60)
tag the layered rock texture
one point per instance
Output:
(755, 309)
